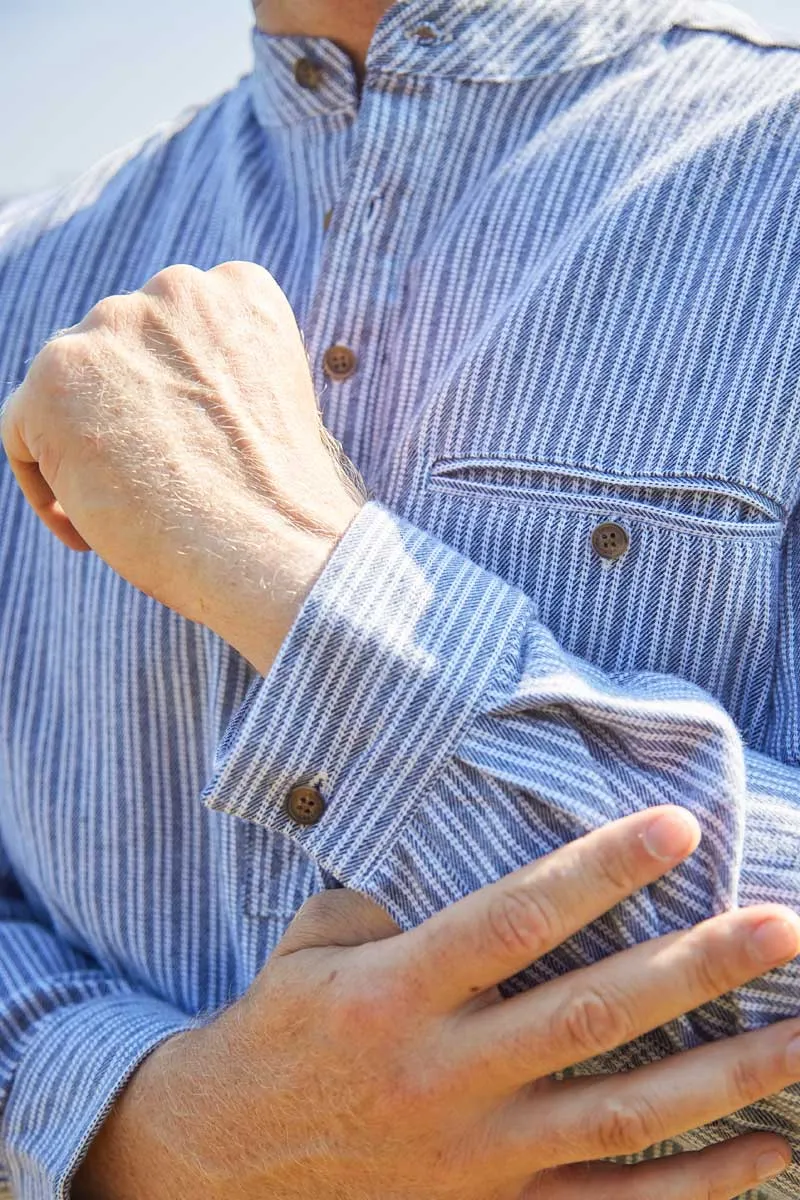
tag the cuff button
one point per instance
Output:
(305, 805)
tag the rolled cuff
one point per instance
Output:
(389, 660)
(73, 1067)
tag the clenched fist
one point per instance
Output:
(175, 432)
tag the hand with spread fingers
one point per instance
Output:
(364, 1063)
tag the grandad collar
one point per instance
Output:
(297, 78)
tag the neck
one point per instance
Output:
(348, 23)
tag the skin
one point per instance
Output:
(173, 432)
(450, 1097)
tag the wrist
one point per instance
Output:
(143, 1147)
(261, 592)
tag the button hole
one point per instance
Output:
(374, 207)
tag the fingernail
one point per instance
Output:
(771, 1164)
(776, 940)
(793, 1057)
(671, 836)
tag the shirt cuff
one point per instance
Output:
(71, 1071)
(385, 667)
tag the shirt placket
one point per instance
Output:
(360, 283)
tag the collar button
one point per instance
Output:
(308, 74)
(424, 34)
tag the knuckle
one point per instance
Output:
(59, 361)
(8, 410)
(253, 285)
(712, 973)
(719, 1185)
(592, 1021)
(240, 271)
(418, 1089)
(615, 873)
(369, 1008)
(315, 910)
(626, 1127)
(108, 313)
(748, 1081)
(174, 282)
(519, 923)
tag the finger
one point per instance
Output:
(41, 499)
(591, 1011)
(721, 1172)
(613, 1116)
(32, 483)
(339, 917)
(500, 930)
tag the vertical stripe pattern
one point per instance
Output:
(564, 248)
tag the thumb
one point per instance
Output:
(338, 917)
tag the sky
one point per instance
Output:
(78, 81)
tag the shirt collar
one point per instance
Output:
(480, 40)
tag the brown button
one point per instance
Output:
(305, 805)
(340, 363)
(326, 220)
(425, 34)
(610, 540)
(307, 74)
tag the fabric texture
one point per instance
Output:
(565, 250)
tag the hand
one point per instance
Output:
(175, 432)
(366, 1065)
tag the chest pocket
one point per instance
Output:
(676, 575)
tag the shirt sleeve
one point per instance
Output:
(71, 1035)
(454, 740)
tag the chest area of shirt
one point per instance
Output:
(578, 365)
(545, 324)
(559, 290)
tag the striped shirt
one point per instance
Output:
(564, 249)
